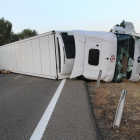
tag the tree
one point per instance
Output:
(122, 24)
(26, 33)
(8, 36)
(111, 30)
(14, 37)
(5, 31)
(117, 24)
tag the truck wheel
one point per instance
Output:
(81, 77)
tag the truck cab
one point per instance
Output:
(85, 53)
(95, 51)
(116, 54)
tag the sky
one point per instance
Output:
(90, 15)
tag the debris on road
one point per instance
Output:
(5, 71)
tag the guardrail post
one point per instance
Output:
(120, 109)
(99, 78)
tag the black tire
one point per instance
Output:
(81, 77)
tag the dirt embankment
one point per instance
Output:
(105, 101)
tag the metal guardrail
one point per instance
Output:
(120, 109)
(99, 79)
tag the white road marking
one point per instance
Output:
(18, 76)
(39, 131)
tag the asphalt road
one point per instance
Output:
(72, 118)
(22, 104)
(24, 100)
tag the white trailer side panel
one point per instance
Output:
(9, 57)
(33, 56)
(6, 58)
(45, 55)
(11, 65)
(36, 56)
(3, 58)
(13, 54)
(23, 56)
(52, 55)
(18, 57)
(0, 59)
(2, 55)
(29, 56)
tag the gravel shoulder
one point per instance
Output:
(105, 101)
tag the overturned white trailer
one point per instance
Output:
(43, 55)
(64, 54)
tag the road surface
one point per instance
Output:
(32, 108)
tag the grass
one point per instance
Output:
(105, 101)
(101, 96)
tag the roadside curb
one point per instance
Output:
(98, 131)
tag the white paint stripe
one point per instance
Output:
(39, 131)
(18, 76)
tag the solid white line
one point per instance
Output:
(18, 76)
(39, 131)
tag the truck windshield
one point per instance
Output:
(125, 55)
(69, 44)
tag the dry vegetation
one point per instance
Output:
(105, 101)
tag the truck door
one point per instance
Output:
(66, 48)
(92, 58)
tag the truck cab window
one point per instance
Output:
(93, 57)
